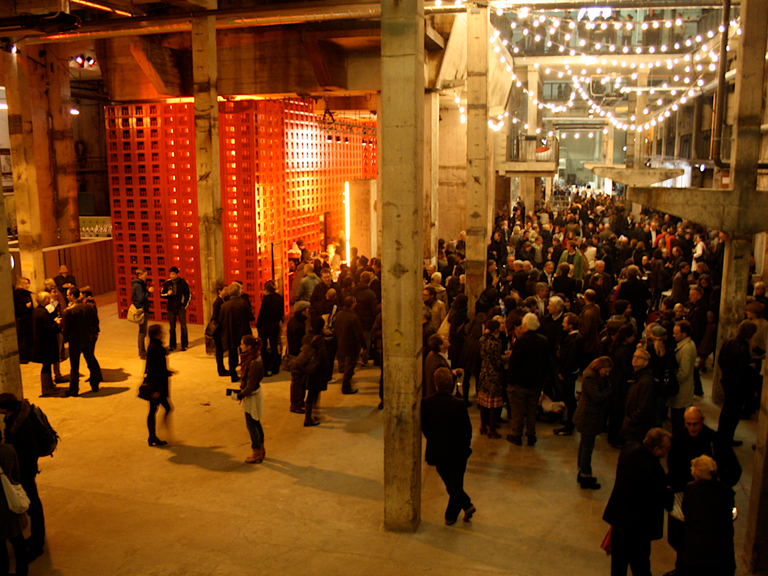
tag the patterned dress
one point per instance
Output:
(490, 391)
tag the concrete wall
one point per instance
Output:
(452, 178)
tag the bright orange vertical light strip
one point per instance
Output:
(347, 220)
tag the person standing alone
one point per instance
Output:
(140, 294)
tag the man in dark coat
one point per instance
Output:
(45, 348)
(140, 298)
(20, 424)
(177, 295)
(640, 409)
(571, 351)
(317, 299)
(697, 318)
(349, 339)
(635, 509)
(737, 374)
(297, 329)
(269, 325)
(448, 430)
(223, 292)
(680, 284)
(235, 319)
(589, 328)
(80, 327)
(367, 303)
(530, 370)
(638, 294)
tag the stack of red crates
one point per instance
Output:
(282, 169)
(154, 199)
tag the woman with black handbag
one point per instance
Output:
(156, 380)
(311, 362)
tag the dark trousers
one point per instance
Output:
(86, 349)
(568, 395)
(347, 365)
(181, 315)
(19, 552)
(35, 513)
(151, 420)
(586, 447)
(297, 389)
(255, 430)
(730, 413)
(330, 355)
(629, 551)
(219, 354)
(525, 404)
(381, 382)
(233, 359)
(270, 351)
(677, 416)
(452, 473)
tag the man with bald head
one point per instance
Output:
(64, 280)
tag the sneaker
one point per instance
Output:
(333, 381)
(469, 512)
(516, 440)
(350, 391)
(449, 522)
(564, 431)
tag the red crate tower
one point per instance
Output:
(145, 178)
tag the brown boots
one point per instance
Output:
(257, 457)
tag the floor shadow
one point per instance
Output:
(104, 391)
(114, 375)
(328, 480)
(207, 457)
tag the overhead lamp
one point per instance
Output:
(74, 111)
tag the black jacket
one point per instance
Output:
(177, 294)
(80, 324)
(349, 333)
(367, 303)
(447, 428)
(157, 367)
(685, 448)
(271, 314)
(19, 433)
(235, 319)
(640, 409)
(708, 544)
(45, 348)
(640, 495)
(530, 364)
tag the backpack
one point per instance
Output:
(46, 436)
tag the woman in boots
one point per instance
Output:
(490, 396)
(57, 304)
(45, 349)
(311, 362)
(157, 375)
(251, 374)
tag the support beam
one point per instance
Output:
(10, 370)
(16, 72)
(161, 66)
(750, 86)
(67, 207)
(431, 174)
(401, 168)
(205, 76)
(478, 151)
(678, 130)
(533, 93)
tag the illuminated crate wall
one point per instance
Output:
(151, 158)
(282, 169)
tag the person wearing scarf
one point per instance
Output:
(252, 371)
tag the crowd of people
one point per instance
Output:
(625, 305)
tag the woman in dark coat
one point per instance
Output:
(11, 525)
(436, 358)
(708, 511)
(309, 364)
(157, 375)
(45, 349)
(269, 325)
(252, 370)
(490, 396)
(621, 354)
(22, 302)
(590, 414)
(457, 323)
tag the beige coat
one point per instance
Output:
(685, 353)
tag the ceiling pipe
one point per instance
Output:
(717, 128)
(167, 24)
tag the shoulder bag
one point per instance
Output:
(18, 501)
(135, 315)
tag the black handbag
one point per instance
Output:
(145, 392)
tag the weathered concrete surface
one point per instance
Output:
(636, 176)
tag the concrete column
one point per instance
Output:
(746, 154)
(16, 71)
(205, 77)
(655, 133)
(678, 129)
(478, 151)
(401, 165)
(642, 81)
(528, 189)
(514, 190)
(10, 370)
(63, 146)
(533, 90)
(663, 133)
(547, 189)
(696, 129)
(431, 173)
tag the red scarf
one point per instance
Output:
(246, 358)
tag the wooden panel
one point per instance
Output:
(90, 262)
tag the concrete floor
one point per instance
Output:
(114, 506)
